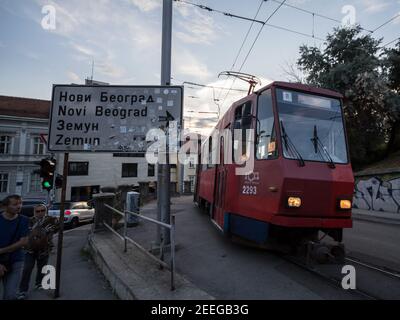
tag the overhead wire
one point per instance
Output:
(265, 23)
(254, 42)
(314, 13)
(397, 39)
(241, 47)
(387, 22)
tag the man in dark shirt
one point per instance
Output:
(41, 228)
(13, 236)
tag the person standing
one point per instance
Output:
(13, 237)
(38, 249)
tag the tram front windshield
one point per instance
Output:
(311, 127)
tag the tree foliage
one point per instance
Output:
(351, 63)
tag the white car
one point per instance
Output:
(74, 212)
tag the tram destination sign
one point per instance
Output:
(110, 118)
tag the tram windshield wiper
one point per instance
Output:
(290, 147)
(318, 146)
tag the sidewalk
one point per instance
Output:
(376, 216)
(80, 279)
(134, 276)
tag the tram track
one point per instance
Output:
(381, 269)
(372, 282)
(334, 282)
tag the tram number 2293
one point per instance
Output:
(250, 190)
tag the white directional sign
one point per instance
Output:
(110, 118)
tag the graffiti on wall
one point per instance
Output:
(376, 194)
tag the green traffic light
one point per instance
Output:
(46, 184)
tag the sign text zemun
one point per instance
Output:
(110, 118)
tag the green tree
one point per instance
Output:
(392, 73)
(351, 65)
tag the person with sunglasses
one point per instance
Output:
(42, 228)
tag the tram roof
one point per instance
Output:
(302, 87)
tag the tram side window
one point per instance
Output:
(243, 121)
(210, 163)
(203, 162)
(266, 140)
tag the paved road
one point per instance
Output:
(377, 243)
(80, 279)
(228, 270)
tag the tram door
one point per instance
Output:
(219, 191)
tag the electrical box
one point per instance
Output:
(132, 204)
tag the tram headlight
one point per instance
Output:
(344, 204)
(294, 202)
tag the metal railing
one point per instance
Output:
(126, 239)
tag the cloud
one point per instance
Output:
(195, 26)
(147, 5)
(202, 99)
(374, 6)
(186, 65)
(397, 20)
(31, 55)
(74, 77)
(82, 49)
(108, 68)
(297, 2)
(194, 70)
(109, 32)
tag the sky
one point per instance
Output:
(123, 39)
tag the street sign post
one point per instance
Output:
(110, 118)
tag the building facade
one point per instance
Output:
(23, 128)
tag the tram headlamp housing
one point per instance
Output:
(344, 204)
(294, 202)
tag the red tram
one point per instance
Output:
(302, 181)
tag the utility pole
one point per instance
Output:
(163, 181)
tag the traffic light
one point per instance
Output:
(47, 168)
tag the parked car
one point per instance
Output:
(29, 204)
(74, 212)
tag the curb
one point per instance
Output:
(118, 286)
(376, 216)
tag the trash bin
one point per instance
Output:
(132, 204)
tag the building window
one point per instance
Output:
(39, 147)
(35, 185)
(129, 170)
(5, 144)
(78, 168)
(191, 165)
(4, 182)
(191, 179)
(150, 170)
(129, 154)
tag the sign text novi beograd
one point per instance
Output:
(110, 118)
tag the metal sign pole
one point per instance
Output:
(164, 173)
(61, 227)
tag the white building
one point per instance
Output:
(88, 172)
(22, 122)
